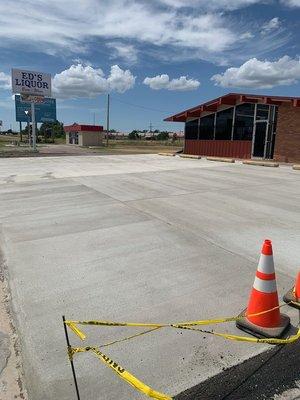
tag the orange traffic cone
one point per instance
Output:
(293, 295)
(264, 297)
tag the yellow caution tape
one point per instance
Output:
(289, 340)
(125, 375)
(72, 324)
(76, 330)
(112, 323)
(128, 337)
(82, 336)
(228, 319)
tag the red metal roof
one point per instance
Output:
(79, 128)
(232, 99)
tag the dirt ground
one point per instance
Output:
(9, 149)
(11, 375)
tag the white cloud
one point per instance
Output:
(69, 25)
(268, 26)
(291, 3)
(125, 52)
(212, 4)
(247, 35)
(261, 74)
(5, 81)
(200, 30)
(120, 80)
(163, 82)
(85, 81)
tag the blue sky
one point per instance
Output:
(155, 57)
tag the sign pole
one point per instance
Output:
(33, 126)
(107, 120)
(20, 131)
(71, 361)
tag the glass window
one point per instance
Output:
(262, 112)
(245, 109)
(243, 124)
(224, 124)
(207, 127)
(191, 129)
(243, 127)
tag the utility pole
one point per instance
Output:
(107, 120)
(150, 128)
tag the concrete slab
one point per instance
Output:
(139, 238)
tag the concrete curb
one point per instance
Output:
(167, 154)
(261, 163)
(221, 159)
(296, 166)
(190, 156)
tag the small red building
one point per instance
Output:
(84, 135)
(244, 126)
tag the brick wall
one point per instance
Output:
(287, 143)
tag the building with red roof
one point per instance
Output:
(84, 135)
(243, 126)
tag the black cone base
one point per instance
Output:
(261, 332)
(289, 296)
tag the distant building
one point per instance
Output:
(84, 135)
(244, 126)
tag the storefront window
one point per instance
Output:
(191, 129)
(206, 131)
(262, 112)
(224, 124)
(243, 124)
(246, 109)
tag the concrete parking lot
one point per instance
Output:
(139, 238)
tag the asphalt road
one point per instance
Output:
(275, 374)
(139, 238)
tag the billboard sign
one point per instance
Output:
(44, 112)
(32, 99)
(31, 82)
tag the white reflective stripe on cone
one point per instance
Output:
(266, 264)
(265, 286)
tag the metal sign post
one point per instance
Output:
(27, 112)
(71, 361)
(107, 120)
(33, 126)
(20, 125)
